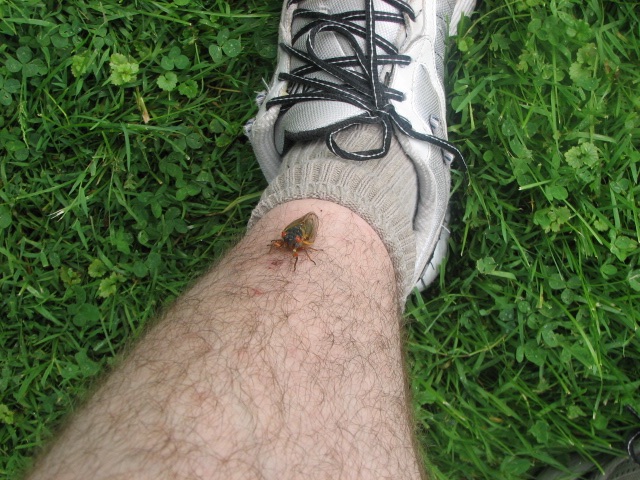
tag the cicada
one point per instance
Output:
(299, 235)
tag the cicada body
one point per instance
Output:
(298, 236)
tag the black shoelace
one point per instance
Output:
(364, 88)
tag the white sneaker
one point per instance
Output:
(349, 62)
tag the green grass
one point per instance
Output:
(530, 348)
(526, 351)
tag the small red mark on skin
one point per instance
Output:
(255, 292)
(276, 263)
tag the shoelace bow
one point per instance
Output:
(363, 89)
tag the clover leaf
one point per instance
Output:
(25, 62)
(189, 89)
(174, 59)
(8, 86)
(168, 81)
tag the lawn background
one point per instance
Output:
(124, 173)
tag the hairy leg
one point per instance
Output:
(261, 372)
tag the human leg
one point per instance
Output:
(261, 372)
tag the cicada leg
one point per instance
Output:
(309, 256)
(295, 255)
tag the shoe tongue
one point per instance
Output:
(311, 118)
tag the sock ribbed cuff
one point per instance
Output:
(354, 188)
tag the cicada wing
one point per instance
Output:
(310, 223)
